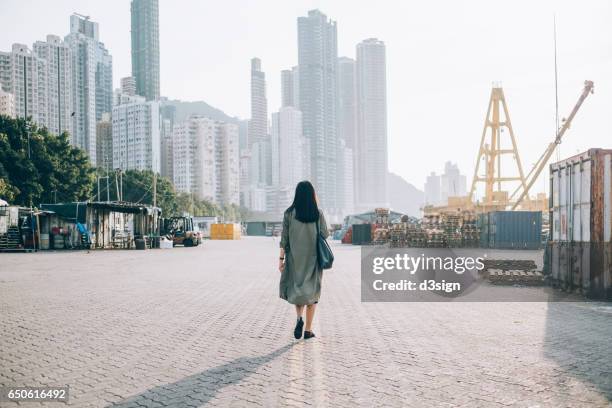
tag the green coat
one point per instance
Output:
(300, 282)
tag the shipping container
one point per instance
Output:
(483, 225)
(225, 231)
(511, 230)
(580, 255)
(362, 234)
(256, 228)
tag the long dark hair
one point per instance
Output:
(305, 203)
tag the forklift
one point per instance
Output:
(181, 231)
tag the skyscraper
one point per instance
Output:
(290, 87)
(371, 144)
(258, 140)
(128, 86)
(92, 82)
(432, 189)
(167, 149)
(347, 109)
(59, 104)
(40, 81)
(289, 149)
(318, 91)
(24, 75)
(452, 182)
(145, 47)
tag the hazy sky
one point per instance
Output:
(442, 57)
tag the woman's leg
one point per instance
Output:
(299, 309)
(310, 311)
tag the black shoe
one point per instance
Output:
(308, 335)
(297, 332)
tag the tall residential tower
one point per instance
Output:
(92, 82)
(317, 66)
(371, 144)
(145, 47)
(258, 139)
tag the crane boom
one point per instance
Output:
(539, 166)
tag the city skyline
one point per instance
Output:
(456, 75)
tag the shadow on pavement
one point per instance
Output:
(578, 339)
(200, 388)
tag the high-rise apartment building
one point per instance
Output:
(24, 75)
(318, 63)
(136, 135)
(227, 162)
(347, 174)
(258, 138)
(206, 160)
(452, 182)
(432, 189)
(128, 86)
(92, 82)
(290, 87)
(289, 148)
(371, 144)
(7, 103)
(58, 61)
(167, 149)
(347, 102)
(40, 82)
(145, 47)
(104, 143)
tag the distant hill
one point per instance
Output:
(403, 196)
(184, 109)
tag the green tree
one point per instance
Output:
(38, 166)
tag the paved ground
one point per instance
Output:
(198, 326)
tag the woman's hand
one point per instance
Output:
(281, 265)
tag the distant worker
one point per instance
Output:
(300, 282)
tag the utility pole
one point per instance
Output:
(154, 189)
(121, 184)
(98, 187)
(117, 185)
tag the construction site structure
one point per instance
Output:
(493, 147)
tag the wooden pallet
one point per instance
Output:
(515, 277)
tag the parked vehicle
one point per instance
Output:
(181, 231)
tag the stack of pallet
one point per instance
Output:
(436, 238)
(415, 236)
(515, 277)
(470, 231)
(380, 235)
(398, 235)
(513, 272)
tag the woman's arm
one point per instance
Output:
(284, 242)
(323, 226)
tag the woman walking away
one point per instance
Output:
(300, 282)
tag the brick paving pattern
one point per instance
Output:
(204, 326)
